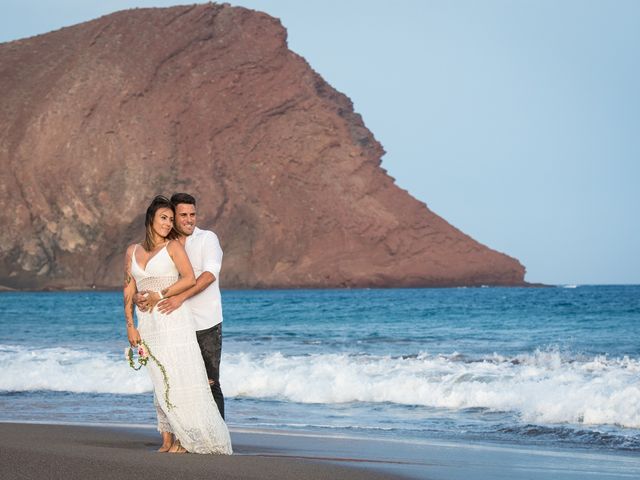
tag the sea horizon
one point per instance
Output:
(5, 289)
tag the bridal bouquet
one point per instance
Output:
(144, 355)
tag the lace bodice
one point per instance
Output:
(159, 273)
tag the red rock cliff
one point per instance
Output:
(98, 118)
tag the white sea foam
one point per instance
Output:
(67, 370)
(543, 387)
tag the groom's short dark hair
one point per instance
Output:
(177, 198)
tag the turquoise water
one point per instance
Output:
(557, 366)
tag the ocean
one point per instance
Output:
(557, 367)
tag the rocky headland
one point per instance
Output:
(98, 118)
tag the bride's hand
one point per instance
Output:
(134, 336)
(152, 299)
(141, 300)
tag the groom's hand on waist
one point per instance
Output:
(168, 305)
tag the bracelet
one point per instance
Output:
(161, 295)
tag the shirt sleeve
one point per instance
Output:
(211, 254)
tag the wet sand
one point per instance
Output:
(37, 451)
(34, 451)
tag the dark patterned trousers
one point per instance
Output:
(210, 341)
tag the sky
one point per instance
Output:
(517, 121)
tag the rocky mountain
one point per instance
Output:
(98, 118)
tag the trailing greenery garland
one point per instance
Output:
(144, 354)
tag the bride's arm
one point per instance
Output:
(187, 277)
(129, 291)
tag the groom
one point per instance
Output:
(205, 254)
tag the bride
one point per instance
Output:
(187, 416)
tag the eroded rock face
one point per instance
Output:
(98, 118)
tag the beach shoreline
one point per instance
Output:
(54, 451)
(27, 450)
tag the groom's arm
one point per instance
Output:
(168, 305)
(211, 264)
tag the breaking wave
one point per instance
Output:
(545, 387)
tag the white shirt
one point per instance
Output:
(205, 255)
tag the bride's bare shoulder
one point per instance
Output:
(173, 245)
(130, 249)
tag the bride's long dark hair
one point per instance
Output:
(160, 201)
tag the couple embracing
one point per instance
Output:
(172, 279)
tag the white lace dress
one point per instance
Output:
(194, 417)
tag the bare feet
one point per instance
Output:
(177, 447)
(167, 442)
